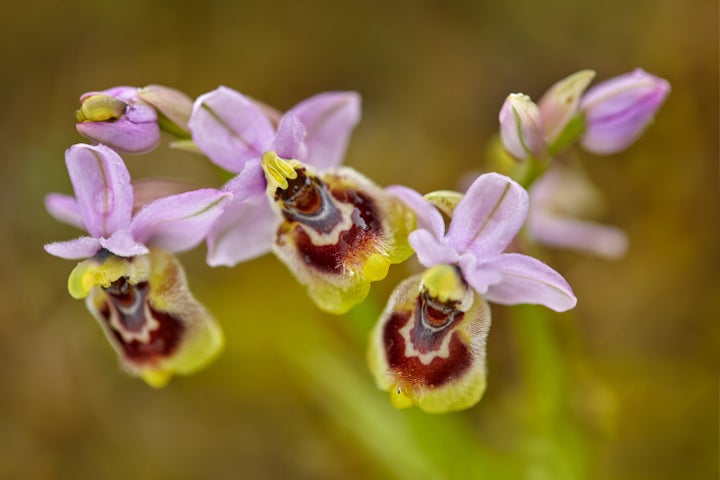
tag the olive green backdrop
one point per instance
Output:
(290, 397)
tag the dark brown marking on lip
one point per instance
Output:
(307, 201)
(163, 340)
(410, 369)
(366, 228)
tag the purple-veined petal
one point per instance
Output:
(83, 247)
(329, 118)
(245, 231)
(102, 188)
(229, 128)
(567, 232)
(478, 275)
(288, 143)
(428, 217)
(489, 216)
(179, 222)
(527, 280)
(123, 244)
(64, 208)
(430, 250)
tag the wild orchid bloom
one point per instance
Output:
(335, 229)
(618, 110)
(134, 286)
(129, 119)
(428, 348)
(558, 200)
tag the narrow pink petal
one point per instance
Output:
(478, 276)
(329, 119)
(288, 143)
(567, 232)
(64, 208)
(83, 247)
(123, 135)
(527, 280)
(102, 188)
(229, 128)
(245, 230)
(428, 217)
(430, 250)
(179, 222)
(123, 244)
(489, 216)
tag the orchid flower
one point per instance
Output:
(335, 229)
(133, 284)
(429, 346)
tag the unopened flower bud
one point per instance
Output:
(521, 127)
(173, 106)
(618, 110)
(560, 103)
(118, 118)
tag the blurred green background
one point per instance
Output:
(623, 387)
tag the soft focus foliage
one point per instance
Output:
(625, 387)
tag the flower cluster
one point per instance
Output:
(335, 229)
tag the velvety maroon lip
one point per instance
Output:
(128, 303)
(321, 214)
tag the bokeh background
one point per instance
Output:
(623, 387)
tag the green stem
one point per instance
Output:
(554, 445)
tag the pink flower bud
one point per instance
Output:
(119, 119)
(618, 110)
(521, 127)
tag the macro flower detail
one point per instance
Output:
(339, 233)
(618, 110)
(428, 348)
(133, 284)
(335, 229)
(483, 224)
(235, 131)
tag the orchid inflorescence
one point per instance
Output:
(335, 229)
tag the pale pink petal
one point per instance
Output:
(245, 230)
(102, 188)
(83, 247)
(229, 128)
(428, 217)
(430, 250)
(567, 232)
(64, 208)
(329, 119)
(179, 222)
(489, 216)
(478, 276)
(527, 280)
(288, 143)
(122, 244)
